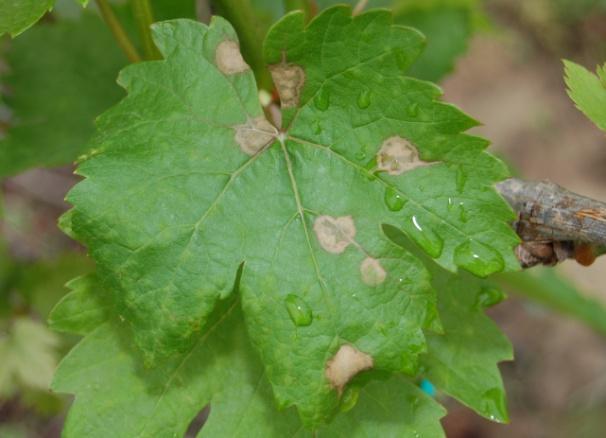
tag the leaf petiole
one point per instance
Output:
(118, 31)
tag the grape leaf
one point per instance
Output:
(446, 24)
(462, 359)
(61, 76)
(114, 393)
(462, 362)
(187, 182)
(588, 91)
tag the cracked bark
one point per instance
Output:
(554, 223)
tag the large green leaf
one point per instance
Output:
(588, 91)
(188, 182)
(62, 75)
(113, 392)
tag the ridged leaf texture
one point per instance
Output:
(193, 198)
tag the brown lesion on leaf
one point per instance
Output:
(229, 58)
(255, 134)
(335, 233)
(373, 274)
(288, 79)
(345, 364)
(398, 155)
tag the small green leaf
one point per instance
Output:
(18, 15)
(588, 91)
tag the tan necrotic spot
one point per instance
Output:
(348, 362)
(335, 234)
(255, 134)
(289, 79)
(397, 155)
(229, 59)
(372, 272)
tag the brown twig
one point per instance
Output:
(554, 223)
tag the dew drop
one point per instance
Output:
(361, 154)
(393, 199)
(494, 405)
(424, 236)
(364, 98)
(317, 127)
(463, 216)
(450, 204)
(489, 296)
(298, 310)
(350, 398)
(322, 99)
(371, 167)
(478, 258)
(413, 110)
(461, 179)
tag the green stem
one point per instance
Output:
(241, 15)
(144, 17)
(118, 31)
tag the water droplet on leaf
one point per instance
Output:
(495, 406)
(413, 110)
(450, 204)
(489, 296)
(322, 99)
(463, 217)
(478, 258)
(364, 98)
(317, 127)
(461, 179)
(401, 59)
(298, 310)
(361, 154)
(424, 236)
(350, 398)
(393, 199)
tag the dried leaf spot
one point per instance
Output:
(289, 79)
(255, 134)
(335, 234)
(372, 272)
(229, 59)
(397, 155)
(348, 362)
